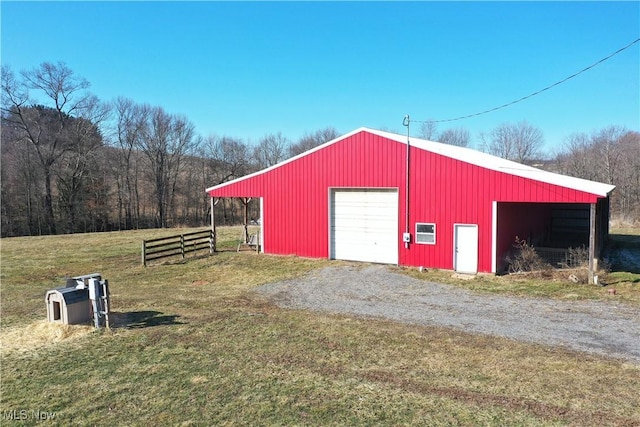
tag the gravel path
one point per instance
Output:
(603, 328)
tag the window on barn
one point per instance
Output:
(426, 233)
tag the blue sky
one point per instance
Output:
(246, 69)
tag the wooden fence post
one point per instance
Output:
(592, 242)
(144, 253)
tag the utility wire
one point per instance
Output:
(534, 93)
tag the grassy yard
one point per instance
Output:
(193, 345)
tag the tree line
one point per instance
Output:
(73, 163)
(610, 155)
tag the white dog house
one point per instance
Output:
(69, 306)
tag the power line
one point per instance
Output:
(534, 93)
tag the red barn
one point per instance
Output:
(375, 196)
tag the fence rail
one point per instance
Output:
(177, 245)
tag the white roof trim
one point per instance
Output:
(499, 164)
(284, 162)
(464, 154)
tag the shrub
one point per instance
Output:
(525, 258)
(576, 258)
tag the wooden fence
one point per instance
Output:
(181, 245)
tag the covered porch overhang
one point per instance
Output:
(552, 228)
(247, 220)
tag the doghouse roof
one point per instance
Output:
(70, 295)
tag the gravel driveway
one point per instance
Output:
(604, 328)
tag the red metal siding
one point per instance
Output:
(296, 194)
(443, 190)
(447, 191)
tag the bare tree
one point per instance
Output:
(73, 168)
(613, 151)
(611, 155)
(183, 145)
(130, 124)
(21, 183)
(78, 163)
(455, 136)
(229, 158)
(630, 175)
(609, 151)
(44, 127)
(428, 130)
(312, 140)
(520, 142)
(165, 142)
(272, 149)
(155, 146)
(576, 158)
(193, 203)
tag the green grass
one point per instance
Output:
(193, 345)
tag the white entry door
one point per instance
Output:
(364, 225)
(465, 256)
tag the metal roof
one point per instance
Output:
(464, 154)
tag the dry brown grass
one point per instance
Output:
(194, 345)
(624, 277)
(36, 335)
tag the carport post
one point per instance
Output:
(245, 233)
(212, 244)
(592, 242)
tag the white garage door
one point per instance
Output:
(364, 225)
